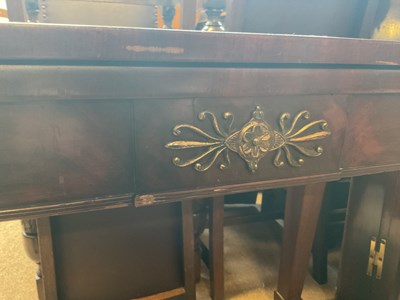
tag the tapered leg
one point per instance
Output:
(320, 248)
(217, 248)
(48, 283)
(200, 219)
(188, 250)
(302, 209)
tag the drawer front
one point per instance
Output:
(201, 143)
(372, 140)
(52, 152)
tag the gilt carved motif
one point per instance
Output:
(253, 141)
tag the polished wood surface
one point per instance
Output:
(77, 141)
(188, 250)
(47, 286)
(374, 211)
(58, 43)
(125, 253)
(217, 248)
(301, 218)
(87, 113)
(330, 227)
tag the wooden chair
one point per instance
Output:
(138, 13)
(107, 254)
(213, 256)
(329, 231)
(330, 227)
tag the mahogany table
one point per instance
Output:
(94, 118)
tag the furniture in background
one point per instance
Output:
(358, 18)
(63, 196)
(370, 265)
(80, 132)
(330, 227)
(131, 13)
(108, 254)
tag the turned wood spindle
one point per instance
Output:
(214, 10)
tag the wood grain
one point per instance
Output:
(164, 295)
(63, 43)
(188, 250)
(301, 216)
(47, 263)
(216, 244)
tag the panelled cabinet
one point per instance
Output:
(370, 267)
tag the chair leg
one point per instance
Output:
(320, 247)
(200, 219)
(216, 243)
(188, 250)
(303, 204)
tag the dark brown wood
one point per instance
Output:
(172, 294)
(366, 203)
(389, 285)
(205, 254)
(330, 227)
(329, 108)
(84, 126)
(71, 207)
(122, 83)
(48, 282)
(372, 131)
(118, 253)
(296, 89)
(63, 43)
(217, 248)
(374, 210)
(320, 247)
(188, 250)
(99, 172)
(301, 215)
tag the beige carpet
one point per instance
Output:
(251, 262)
(17, 271)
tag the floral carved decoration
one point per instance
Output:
(252, 142)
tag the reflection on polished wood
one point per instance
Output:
(84, 128)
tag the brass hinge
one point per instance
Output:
(376, 257)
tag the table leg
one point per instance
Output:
(302, 209)
(217, 248)
(188, 250)
(48, 288)
(320, 245)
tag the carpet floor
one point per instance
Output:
(251, 264)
